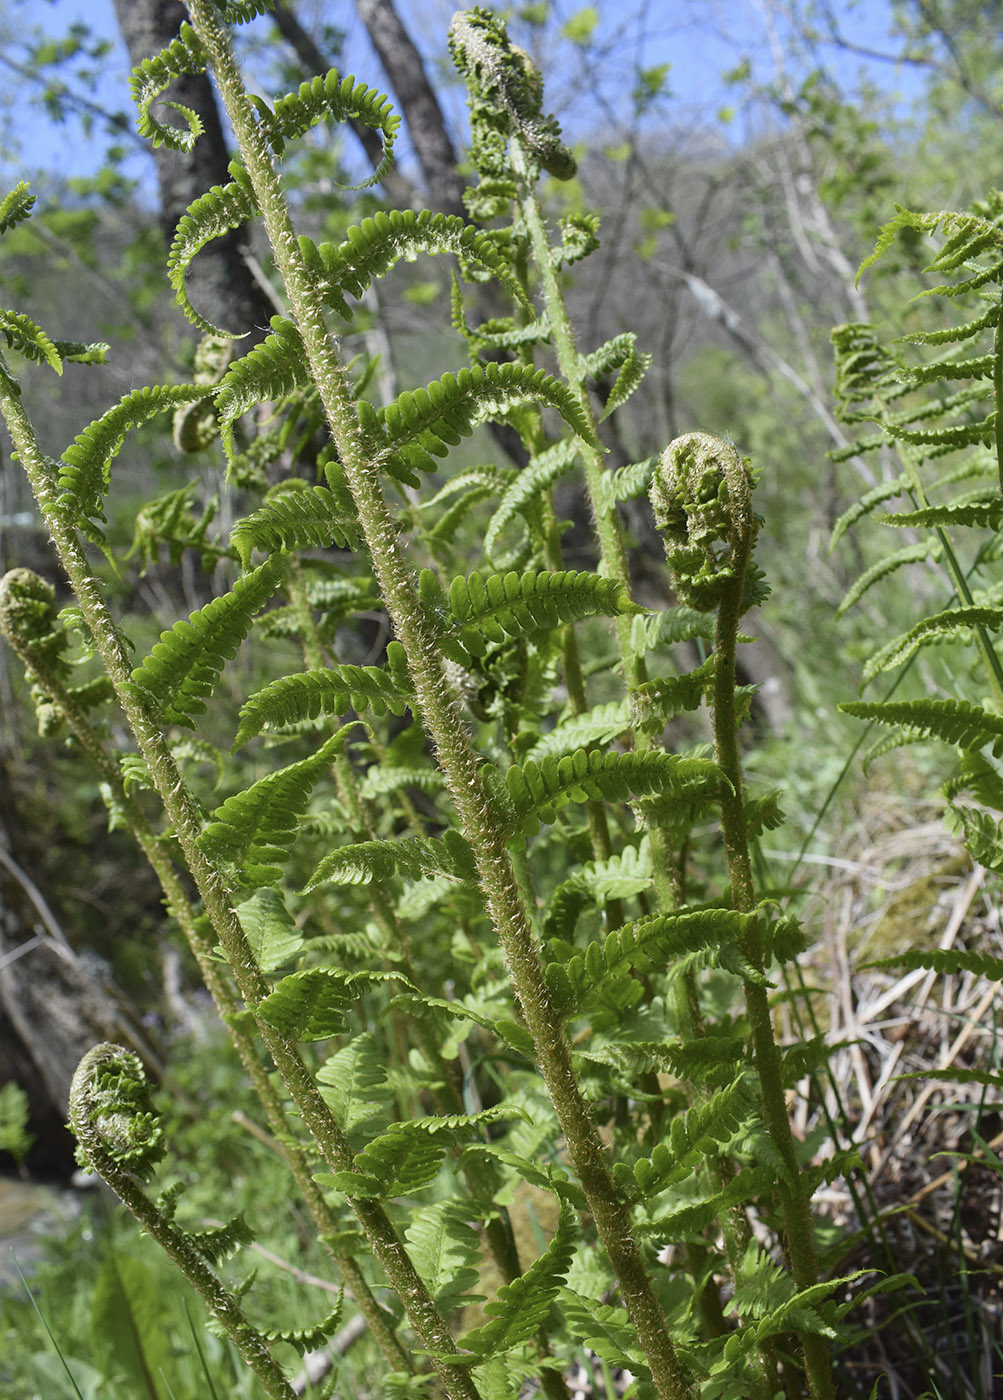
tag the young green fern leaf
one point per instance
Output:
(288, 701)
(330, 97)
(956, 722)
(413, 857)
(183, 56)
(16, 206)
(181, 671)
(293, 517)
(214, 214)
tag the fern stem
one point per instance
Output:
(800, 1239)
(456, 756)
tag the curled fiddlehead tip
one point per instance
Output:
(112, 1114)
(506, 88)
(27, 607)
(701, 494)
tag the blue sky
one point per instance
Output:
(700, 40)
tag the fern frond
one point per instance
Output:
(946, 961)
(380, 781)
(304, 1339)
(27, 338)
(911, 554)
(354, 1084)
(600, 725)
(422, 425)
(621, 876)
(411, 856)
(537, 791)
(183, 56)
(644, 945)
(16, 205)
(85, 470)
(184, 666)
(408, 1155)
(525, 492)
(955, 435)
(285, 703)
(605, 1329)
(445, 1249)
(221, 1242)
(982, 836)
(295, 517)
(973, 513)
(376, 245)
(626, 483)
(942, 627)
(620, 354)
(521, 1306)
(869, 501)
(956, 722)
(313, 1004)
(968, 235)
(330, 97)
(655, 702)
(269, 928)
(954, 335)
(978, 367)
(679, 624)
(700, 1130)
(491, 607)
(272, 370)
(213, 214)
(253, 829)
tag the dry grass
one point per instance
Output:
(929, 1200)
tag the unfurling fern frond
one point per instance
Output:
(422, 425)
(183, 56)
(522, 1305)
(942, 627)
(373, 247)
(253, 829)
(535, 792)
(524, 493)
(85, 470)
(408, 1155)
(296, 516)
(956, 722)
(182, 669)
(275, 368)
(304, 1339)
(622, 355)
(213, 214)
(414, 857)
(330, 97)
(290, 700)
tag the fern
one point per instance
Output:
(288, 701)
(946, 961)
(411, 856)
(419, 426)
(534, 792)
(524, 494)
(407, 1157)
(956, 722)
(600, 725)
(522, 1305)
(945, 626)
(898, 559)
(184, 55)
(85, 471)
(330, 97)
(269, 928)
(253, 830)
(214, 214)
(373, 247)
(445, 1250)
(304, 1339)
(275, 368)
(354, 1083)
(313, 1004)
(631, 365)
(294, 517)
(486, 608)
(181, 671)
(16, 205)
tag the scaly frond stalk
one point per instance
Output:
(456, 756)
